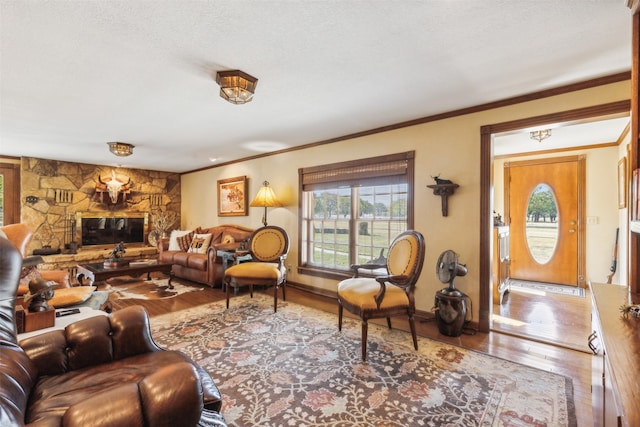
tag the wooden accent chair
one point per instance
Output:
(387, 295)
(268, 247)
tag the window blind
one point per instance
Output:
(390, 169)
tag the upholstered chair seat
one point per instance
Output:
(388, 295)
(269, 247)
(362, 292)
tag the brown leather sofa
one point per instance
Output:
(207, 268)
(101, 371)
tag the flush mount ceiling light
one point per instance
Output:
(236, 86)
(539, 135)
(121, 149)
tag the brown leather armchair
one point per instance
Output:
(101, 371)
(20, 235)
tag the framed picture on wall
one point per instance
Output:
(232, 196)
(622, 183)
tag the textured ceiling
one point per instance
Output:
(77, 74)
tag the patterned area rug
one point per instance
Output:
(293, 368)
(147, 290)
(574, 291)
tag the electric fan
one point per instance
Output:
(450, 303)
(448, 268)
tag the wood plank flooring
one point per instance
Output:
(556, 320)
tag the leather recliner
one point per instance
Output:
(101, 371)
(20, 235)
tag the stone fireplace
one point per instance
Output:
(56, 196)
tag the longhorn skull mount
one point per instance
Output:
(114, 187)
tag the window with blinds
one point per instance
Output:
(352, 211)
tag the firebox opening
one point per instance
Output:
(100, 228)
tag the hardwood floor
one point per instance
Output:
(558, 319)
(544, 320)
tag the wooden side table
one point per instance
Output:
(231, 257)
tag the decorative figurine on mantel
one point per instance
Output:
(116, 257)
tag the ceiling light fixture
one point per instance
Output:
(121, 149)
(236, 86)
(539, 135)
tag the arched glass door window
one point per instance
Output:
(542, 223)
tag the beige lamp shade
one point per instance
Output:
(265, 198)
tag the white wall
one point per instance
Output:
(449, 147)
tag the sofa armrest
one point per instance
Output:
(131, 332)
(17, 377)
(171, 396)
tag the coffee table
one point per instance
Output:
(99, 273)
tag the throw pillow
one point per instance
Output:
(185, 241)
(227, 239)
(200, 243)
(65, 297)
(173, 239)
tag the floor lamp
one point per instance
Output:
(265, 198)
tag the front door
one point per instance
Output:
(543, 198)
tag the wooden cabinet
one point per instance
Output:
(605, 407)
(500, 263)
(615, 390)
